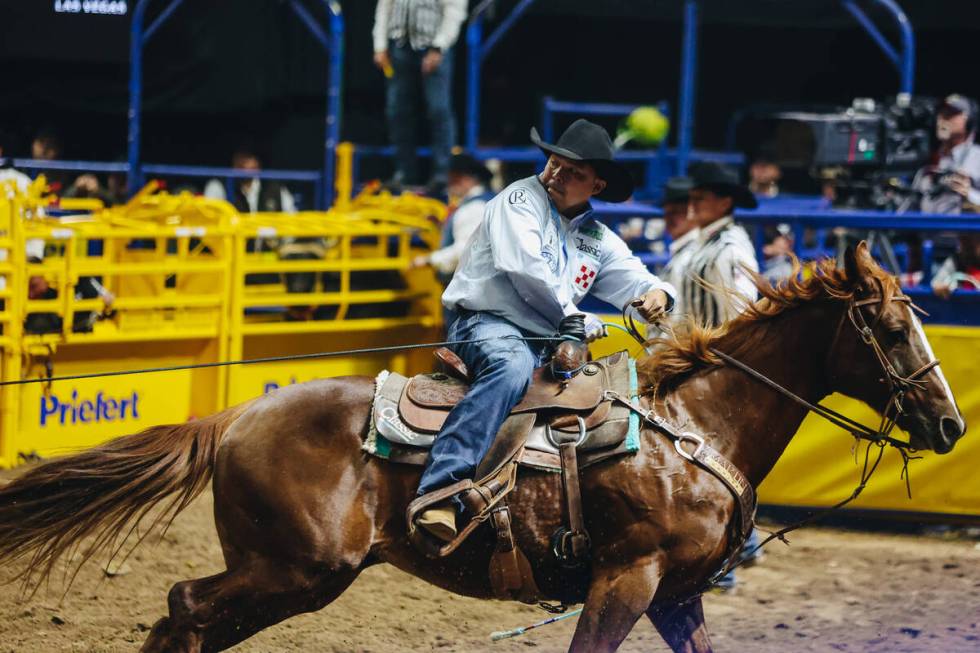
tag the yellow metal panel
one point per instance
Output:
(818, 467)
(84, 413)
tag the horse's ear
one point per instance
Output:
(851, 265)
(856, 262)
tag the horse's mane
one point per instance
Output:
(687, 349)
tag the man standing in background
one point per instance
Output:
(413, 46)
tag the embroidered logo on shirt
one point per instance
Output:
(588, 248)
(517, 197)
(585, 277)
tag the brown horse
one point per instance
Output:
(301, 510)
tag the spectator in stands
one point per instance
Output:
(46, 146)
(469, 191)
(413, 46)
(950, 182)
(15, 179)
(39, 288)
(252, 195)
(680, 225)
(7, 171)
(765, 173)
(961, 270)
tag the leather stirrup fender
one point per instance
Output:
(511, 576)
(571, 543)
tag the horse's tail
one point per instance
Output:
(105, 492)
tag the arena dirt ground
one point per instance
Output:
(830, 591)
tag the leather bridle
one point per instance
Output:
(898, 385)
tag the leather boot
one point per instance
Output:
(440, 522)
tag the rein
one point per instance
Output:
(898, 386)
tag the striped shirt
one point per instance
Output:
(421, 24)
(681, 250)
(724, 248)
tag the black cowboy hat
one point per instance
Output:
(469, 165)
(722, 180)
(677, 189)
(588, 142)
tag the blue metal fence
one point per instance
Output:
(332, 43)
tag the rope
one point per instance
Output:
(277, 359)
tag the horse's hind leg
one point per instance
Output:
(682, 626)
(217, 612)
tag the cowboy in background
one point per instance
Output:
(538, 252)
(680, 225)
(716, 283)
(469, 191)
(724, 250)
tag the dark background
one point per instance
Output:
(222, 73)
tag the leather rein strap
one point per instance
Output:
(898, 384)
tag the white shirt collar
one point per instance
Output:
(252, 194)
(710, 230)
(683, 241)
(479, 189)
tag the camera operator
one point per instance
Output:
(950, 183)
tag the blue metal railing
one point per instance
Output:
(963, 307)
(904, 61)
(479, 49)
(332, 43)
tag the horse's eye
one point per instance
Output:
(898, 335)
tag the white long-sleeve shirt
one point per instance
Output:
(964, 158)
(420, 23)
(532, 266)
(722, 250)
(465, 221)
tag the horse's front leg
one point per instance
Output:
(617, 597)
(682, 625)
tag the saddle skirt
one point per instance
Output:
(409, 412)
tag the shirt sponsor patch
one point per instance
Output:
(518, 196)
(584, 277)
(588, 247)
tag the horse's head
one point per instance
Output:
(881, 356)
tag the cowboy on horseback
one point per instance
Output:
(538, 253)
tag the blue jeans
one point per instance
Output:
(501, 370)
(401, 104)
(728, 580)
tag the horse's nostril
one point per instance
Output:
(950, 428)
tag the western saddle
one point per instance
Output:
(565, 410)
(576, 412)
